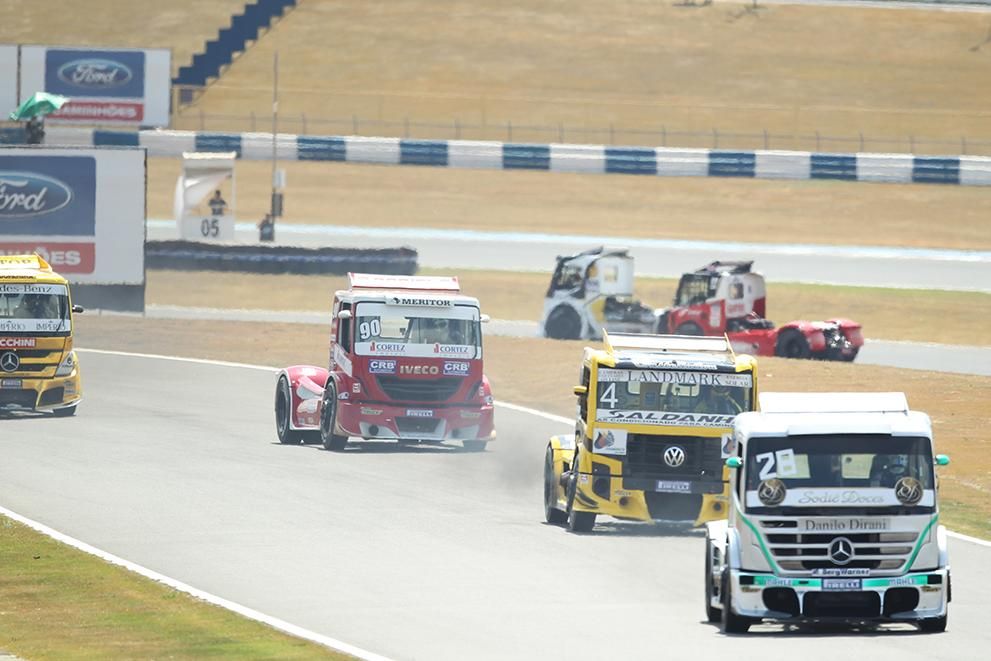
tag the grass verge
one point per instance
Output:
(894, 314)
(61, 603)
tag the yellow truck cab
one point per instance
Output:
(38, 367)
(654, 426)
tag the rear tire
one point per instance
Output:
(731, 622)
(552, 514)
(689, 328)
(65, 412)
(792, 344)
(328, 422)
(711, 614)
(577, 521)
(283, 414)
(474, 446)
(563, 323)
(933, 625)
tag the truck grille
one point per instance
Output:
(645, 457)
(22, 398)
(426, 426)
(30, 365)
(419, 390)
(794, 551)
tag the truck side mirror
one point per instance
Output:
(942, 460)
(581, 391)
(485, 318)
(344, 314)
(734, 462)
(77, 309)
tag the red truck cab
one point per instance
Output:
(405, 364)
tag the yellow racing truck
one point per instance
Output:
(653, 430)
(38, 368)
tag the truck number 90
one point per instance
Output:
(369, 329)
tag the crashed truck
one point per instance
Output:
(592, 292)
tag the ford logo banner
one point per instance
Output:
(95, 74)
(47, 195)
(87, 74)
(25, 194)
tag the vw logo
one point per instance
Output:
(908, 491)
(841, 551)
(772, 492)
(9, 362)
(674, 456)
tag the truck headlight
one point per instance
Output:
(67, 365)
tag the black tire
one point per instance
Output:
(551, 513)
(711, 614)
(792, 344)
(65, 412)
(563, 323)
(731, 622)
(474, 446)
(283, 414)
(933, 624)
(577, 521)
(689, 328)
(328, 421)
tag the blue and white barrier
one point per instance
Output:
(594, 159)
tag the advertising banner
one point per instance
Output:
(82, 210)
(106, 86)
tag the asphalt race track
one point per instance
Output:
(419, 553)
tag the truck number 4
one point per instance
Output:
(608, 396)
(782, 460)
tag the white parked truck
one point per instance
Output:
(833, 516)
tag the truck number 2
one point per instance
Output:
(783, 460)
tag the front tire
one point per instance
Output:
(563, 323)
(711, 614)
(552, 514)
(731, 622)
(577, 521)
(283, 414)
(328, 422)
(792, 344)
(933, 624)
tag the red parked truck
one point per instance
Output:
(405, 364)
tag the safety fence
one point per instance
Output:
(593, 159)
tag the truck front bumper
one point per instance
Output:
(907, 598)
(420, 423)
(17, 394)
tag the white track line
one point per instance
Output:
(249, 613)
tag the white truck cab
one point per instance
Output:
(833, 516)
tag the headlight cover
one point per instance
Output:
(67, 365)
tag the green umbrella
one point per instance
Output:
(40, 103)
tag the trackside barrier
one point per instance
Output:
(594, 159)
(191, 256)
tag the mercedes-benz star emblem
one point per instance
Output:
(841, 551)
(772, 492)
(908, 491)
(674, 456)
(9, 362)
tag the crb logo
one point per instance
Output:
(419, 369)
(456, 368)
(26, 194)
(382, 366)
(95, 73)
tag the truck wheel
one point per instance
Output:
(711, 614)
(551, 513)
(731, 622)
(933, 625)
(328, 421)
(792, 344)
(65, 412)
(577, 521)
(283, 414)
(689, 328)
(563, 323)
(474, 446)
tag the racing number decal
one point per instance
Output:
(210, 227)
(783, 459)
(608, 396)
(368, 329)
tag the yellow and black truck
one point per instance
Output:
(38, 367)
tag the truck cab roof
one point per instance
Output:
(415, 291)
(28, 268)
(631, 350)
(802, 414)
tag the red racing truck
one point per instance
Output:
(405, 365)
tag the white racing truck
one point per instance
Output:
(833, 516)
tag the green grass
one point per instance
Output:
(58, 603)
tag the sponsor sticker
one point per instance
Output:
(454, 349)
(420, 301)
(382, 348)
(456, 368)
(382, 366)
(88, 74)
(419, 413)
(676, 377)
(11, 383)
(471, 415)
(419, 369)
(610, 441)
(844, 525)
(17, 342)
(841, 571)
(842, 584)
(658, 418)
(366, 410)
(672, 486)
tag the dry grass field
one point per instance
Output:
(886, 314)
(826, 212)
(538, 373)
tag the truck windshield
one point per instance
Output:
(839, 461)
(444, 332)
(673, 398)
(27, 308)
